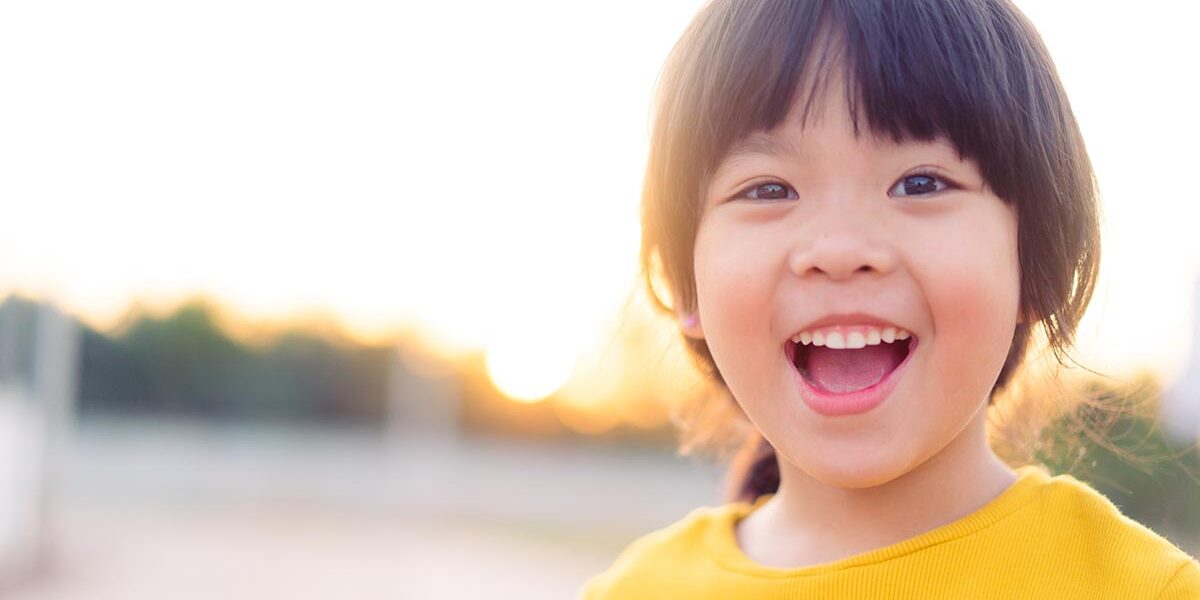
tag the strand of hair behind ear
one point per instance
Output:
(754, 471)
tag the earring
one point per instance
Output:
(689, 326)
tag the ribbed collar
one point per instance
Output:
(723, 546)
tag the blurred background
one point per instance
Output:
(313, 298)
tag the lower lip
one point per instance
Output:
(850, 403)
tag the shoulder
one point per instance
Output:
(1184, 583)
(1097, 537)
(1082, 510)
(662, 557)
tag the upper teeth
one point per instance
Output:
(851, 338)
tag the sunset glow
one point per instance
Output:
(529, 368)
(481, 189)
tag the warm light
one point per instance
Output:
(585, 421)
(529, 368)
(315, 179)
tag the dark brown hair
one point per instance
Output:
(973, 72)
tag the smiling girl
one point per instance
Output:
(862, 210)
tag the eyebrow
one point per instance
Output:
(760, 143)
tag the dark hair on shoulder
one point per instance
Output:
(974, 72)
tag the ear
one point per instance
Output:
(689, 325)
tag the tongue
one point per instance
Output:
(841, 371)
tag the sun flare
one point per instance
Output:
(529, 369)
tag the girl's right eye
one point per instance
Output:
(767, 191)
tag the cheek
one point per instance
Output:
(973, 293)
(734, 294)
(729, 285)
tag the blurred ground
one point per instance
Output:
(171, 510)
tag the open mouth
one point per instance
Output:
(840, 362)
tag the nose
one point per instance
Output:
(843, 249)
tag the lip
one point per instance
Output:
(849, 403)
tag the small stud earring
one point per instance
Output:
(689, 321)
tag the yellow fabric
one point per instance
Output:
(1043, 537)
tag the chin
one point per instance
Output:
(854, 471)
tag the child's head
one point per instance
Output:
(824, 167)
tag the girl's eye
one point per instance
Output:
(768, 191)
(917, 185)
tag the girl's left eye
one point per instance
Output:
(768, 191)
(918, 184)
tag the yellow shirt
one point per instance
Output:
(1043, 537)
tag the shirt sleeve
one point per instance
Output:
(591, 589)
(1184, 584)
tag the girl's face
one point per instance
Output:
(810, 232)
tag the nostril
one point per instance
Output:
(841, 256)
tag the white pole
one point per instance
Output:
(19, 508)
(34, 419)
(1180, 407)
(55, 383)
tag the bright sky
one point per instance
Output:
(469, 168)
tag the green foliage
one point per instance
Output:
(185, 364)
(1115, 444)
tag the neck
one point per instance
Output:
(808, 522)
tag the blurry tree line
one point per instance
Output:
(185, 364)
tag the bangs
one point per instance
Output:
(913, 70)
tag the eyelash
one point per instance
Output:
(745, 193)
(946, 184)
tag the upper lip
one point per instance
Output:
(848, 319)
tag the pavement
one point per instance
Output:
(178, 510)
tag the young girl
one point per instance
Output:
(861, 211)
